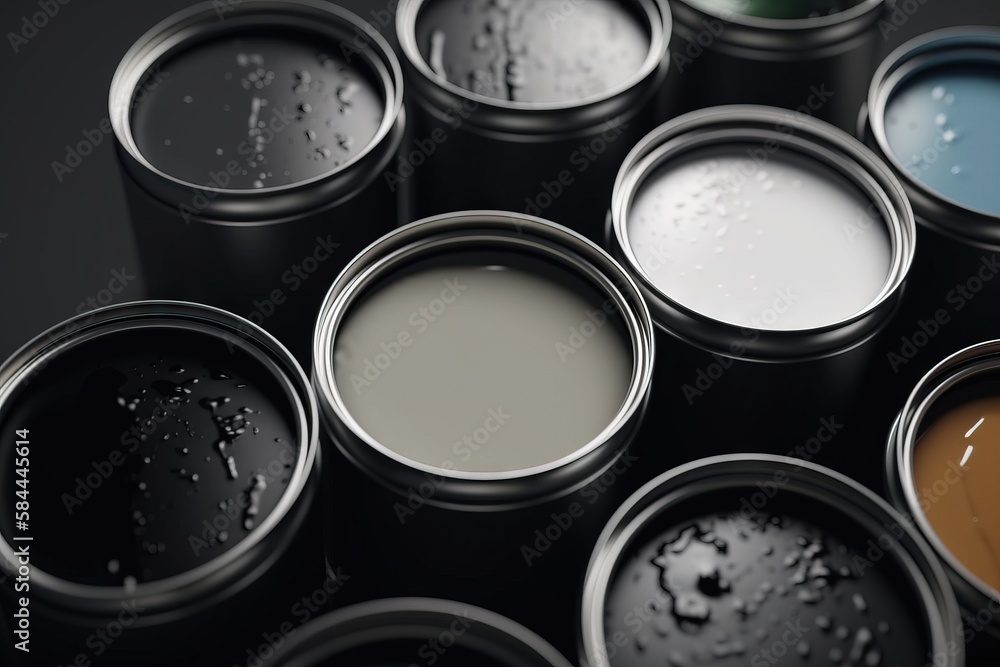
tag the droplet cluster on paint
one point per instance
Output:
(257, 112)
(743, 588)
(533, 51)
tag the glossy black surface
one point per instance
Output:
(156, 451)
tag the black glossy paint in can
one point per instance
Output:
(173, 462)
(753, 559)
(253, 138)
(526, 106)
(810, 55)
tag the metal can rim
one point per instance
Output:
(812, 138)
(770, 34)
(961, 44)
(710, 475)
(187, 27)
(419, 614)
(973, 593)
(511, 230)
(533, 117)
(188, 588)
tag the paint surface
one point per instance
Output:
(489, 364)
(256, 112)
(954, 468)
(942, 126)
(539, 51)
(726, 590)
(778, 244)
(154, 452)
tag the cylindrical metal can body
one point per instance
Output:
(547, 152)
(759, 315)
(751, 53)
(951, 406)
(929, 117)
(199, 521)
(474, 416)
(253, 143)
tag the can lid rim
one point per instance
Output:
(175, 591)
(713, 474)
(537, 116)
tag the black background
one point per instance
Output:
(60, 241)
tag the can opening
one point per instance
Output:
(176, 445)
(738, 575)
(940, 126)
(955, 459)
(255, 108)
(767, 240)
(538, 52)
(489, 360)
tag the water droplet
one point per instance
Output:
(219, 151)
(956, 170)
(188, 99)
(166, 142)
(113, 566)
(941, 119)
(937, 92)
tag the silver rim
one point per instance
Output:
(556, 118)
(972, 362)
(368, 623)
(811, 138)
(514, 232)
(964, 44)
(767, 34)
(200, 21)
(718, 473)
(187, 588)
